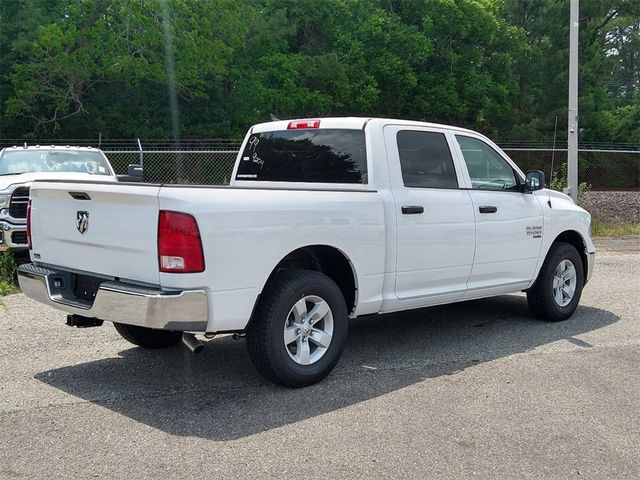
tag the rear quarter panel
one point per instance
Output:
(246, 232)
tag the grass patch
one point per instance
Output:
(7, 288)
(601, 229)
(8, 280)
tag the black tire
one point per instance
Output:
(540, 296)
(148, 337)
(265, 334)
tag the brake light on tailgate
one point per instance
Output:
(179, 243)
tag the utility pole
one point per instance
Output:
(572, 136)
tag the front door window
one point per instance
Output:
(487, 169)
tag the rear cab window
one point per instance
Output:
(325, 155)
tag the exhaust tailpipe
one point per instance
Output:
(192, 343)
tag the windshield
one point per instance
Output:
(27, 161)
(323, 155)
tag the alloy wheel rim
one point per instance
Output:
(564, 283)
(308, 330)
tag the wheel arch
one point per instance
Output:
(326, 259)
(572, 237)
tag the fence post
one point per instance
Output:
(572, 158)
(141, 153)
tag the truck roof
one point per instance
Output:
(50, 147)
(350, 123)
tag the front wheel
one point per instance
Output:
(147, 337)
(556, 293)
(299, 330)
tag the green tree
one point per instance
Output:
(105, 61)
(73, 68)
(608, 74)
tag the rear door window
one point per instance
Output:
(425, 160)
(313, 155)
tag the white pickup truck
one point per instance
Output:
(324, 219)
(19, 166)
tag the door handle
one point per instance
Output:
(488, 209)
(412, 209)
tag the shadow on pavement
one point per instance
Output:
(218, 395)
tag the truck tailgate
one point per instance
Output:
(107, 229)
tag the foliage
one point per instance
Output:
(95, 51)
(186, 69)
(559, 182)
(7, 267)
(7, 288)
(7, 274)
(609, 68)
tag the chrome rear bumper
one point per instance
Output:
(117, 301)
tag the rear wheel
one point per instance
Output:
(147, 337)
(299, 329)
(556, 293)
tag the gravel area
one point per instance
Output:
(613, 207)
(477, 390)
(629, 244)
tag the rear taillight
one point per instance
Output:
(179, 243)
(297, 124)
(29, 224)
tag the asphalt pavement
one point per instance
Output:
(474, 390)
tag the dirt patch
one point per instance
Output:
(617, 245)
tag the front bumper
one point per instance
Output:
(591, 257)
(12, 237)
(117, 301)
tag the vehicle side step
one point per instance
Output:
(83, 322)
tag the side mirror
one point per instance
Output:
(134, 174)
(135, 171)
(534, 181)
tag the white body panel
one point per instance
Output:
(121, 238)
(26, 178)
(507, 251)
(448, 253)
(435, 249)
(245, 234)
(561, 215)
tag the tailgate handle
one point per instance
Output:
(80, 195)
(412, 209)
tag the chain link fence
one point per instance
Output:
(601, 169)
(201, 167)
(210, 162)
